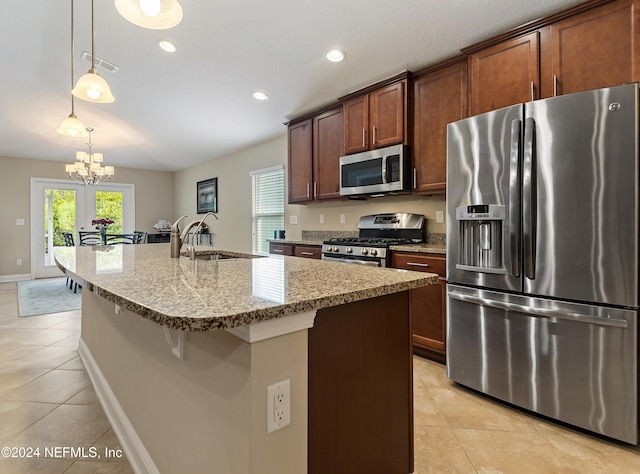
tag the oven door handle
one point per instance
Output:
(370, 263)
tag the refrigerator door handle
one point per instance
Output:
(529, 198)
(514, 200)
(536, 311)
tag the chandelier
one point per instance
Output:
(89, 169)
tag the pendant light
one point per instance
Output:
(72, 126)
(151, 14)
(91, 86)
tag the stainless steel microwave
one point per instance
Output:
(381, 171)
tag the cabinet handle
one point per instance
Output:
(555, 85)
(414, 264)
(375, 134)
(533, 91)
(364, 132)
(415, 178)
(277, 250)
(308, 191)
(315, 189)
(306, 253)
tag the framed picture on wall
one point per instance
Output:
(207, 195)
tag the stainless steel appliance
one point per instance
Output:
(382, 171)
(542, 257)
(375, 234)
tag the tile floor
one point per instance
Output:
(46, 399)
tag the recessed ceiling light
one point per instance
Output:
(260, 95)
(335, 55)
(168, 46)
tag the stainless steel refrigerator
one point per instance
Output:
(542, 257)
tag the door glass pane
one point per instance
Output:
(59, 217)
(109, 206)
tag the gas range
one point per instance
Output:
(376, 233)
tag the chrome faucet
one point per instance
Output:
(177, 238)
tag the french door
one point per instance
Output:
(59, 206)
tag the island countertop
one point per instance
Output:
(205, 295)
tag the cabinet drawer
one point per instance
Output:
(420, 263)
(307, 252)
(280, 249)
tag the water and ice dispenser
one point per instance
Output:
(481, 238)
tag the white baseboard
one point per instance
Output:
(138, 456)
(21, 277)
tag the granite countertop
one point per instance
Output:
(420, 248)
(204, 295)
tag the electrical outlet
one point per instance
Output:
(439, 217)
(293, 220)
(342, 219)
(19, 262)
(278, 405)
(321, 218)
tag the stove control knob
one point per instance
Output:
(374, 252)
(349, 250)
(364, 252)
(335, 248)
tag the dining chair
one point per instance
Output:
(89, 238)
(69, 242)
(113, 239)
(141, 237)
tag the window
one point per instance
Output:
(267, 206)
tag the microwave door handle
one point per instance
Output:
(384, 170)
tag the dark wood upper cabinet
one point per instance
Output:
(300, 137)
(598, 48)
(327, 149)
(592, 45)
(387, 115)
(376, 119)
(356, 124)
(439, 97)
(505, 74)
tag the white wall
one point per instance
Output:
(233, 230)
(154, 201)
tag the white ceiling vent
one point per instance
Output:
(101, 63)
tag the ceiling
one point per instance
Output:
(173, 111)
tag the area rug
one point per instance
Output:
(47, 295)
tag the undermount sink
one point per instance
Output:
(216, 256)
(223, 256)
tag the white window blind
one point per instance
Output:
(267, 206)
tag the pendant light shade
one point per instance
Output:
(72, 126)
(91, 87)
(151, 14)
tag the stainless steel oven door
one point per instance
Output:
(355, 260)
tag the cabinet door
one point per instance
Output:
(387, 116)
(307, 251)
(439, 98)
(280, 249)
(505, 74)
(598, 48)
(428, 303)
(300, 161)
(328, 147)
(356, 124)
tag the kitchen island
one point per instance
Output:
(181, 354)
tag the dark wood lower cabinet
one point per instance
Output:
(428, 304)
(360, 388)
